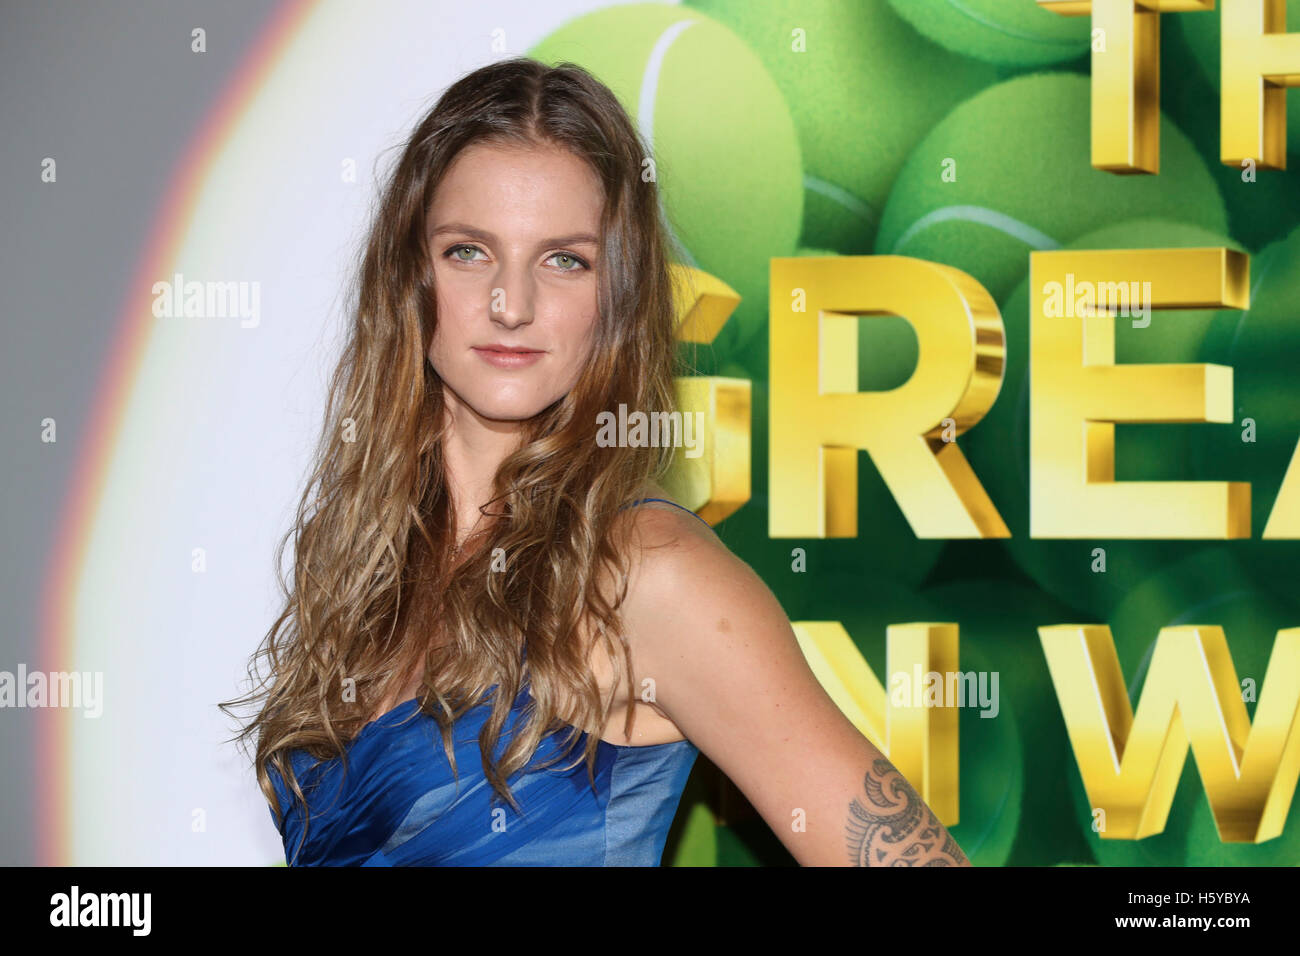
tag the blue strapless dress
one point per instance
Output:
(400, 805)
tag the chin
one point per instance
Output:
(502, 408)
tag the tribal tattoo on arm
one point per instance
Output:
(895, 827)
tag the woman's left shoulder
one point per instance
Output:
(679, 563)
(669, 541)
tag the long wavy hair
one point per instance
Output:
(375, 596)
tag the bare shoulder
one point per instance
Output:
(675, 554)
(668, 538)
(683, 584)
(719, 658)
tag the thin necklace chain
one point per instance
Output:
(457, 548)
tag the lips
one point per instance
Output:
(508, 356)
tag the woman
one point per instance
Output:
(488, 655)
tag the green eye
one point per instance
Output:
(568, 262)
(457, 250)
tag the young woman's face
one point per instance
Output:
(514, 237)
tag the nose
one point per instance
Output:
(512, 297)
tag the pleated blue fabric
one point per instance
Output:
(400, 805)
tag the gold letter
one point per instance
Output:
(1125, 77)
(713, 480)
(1078, 394)
(1260, 61)
(819, 420)
(1131, 765)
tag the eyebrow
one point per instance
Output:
(485, 236)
